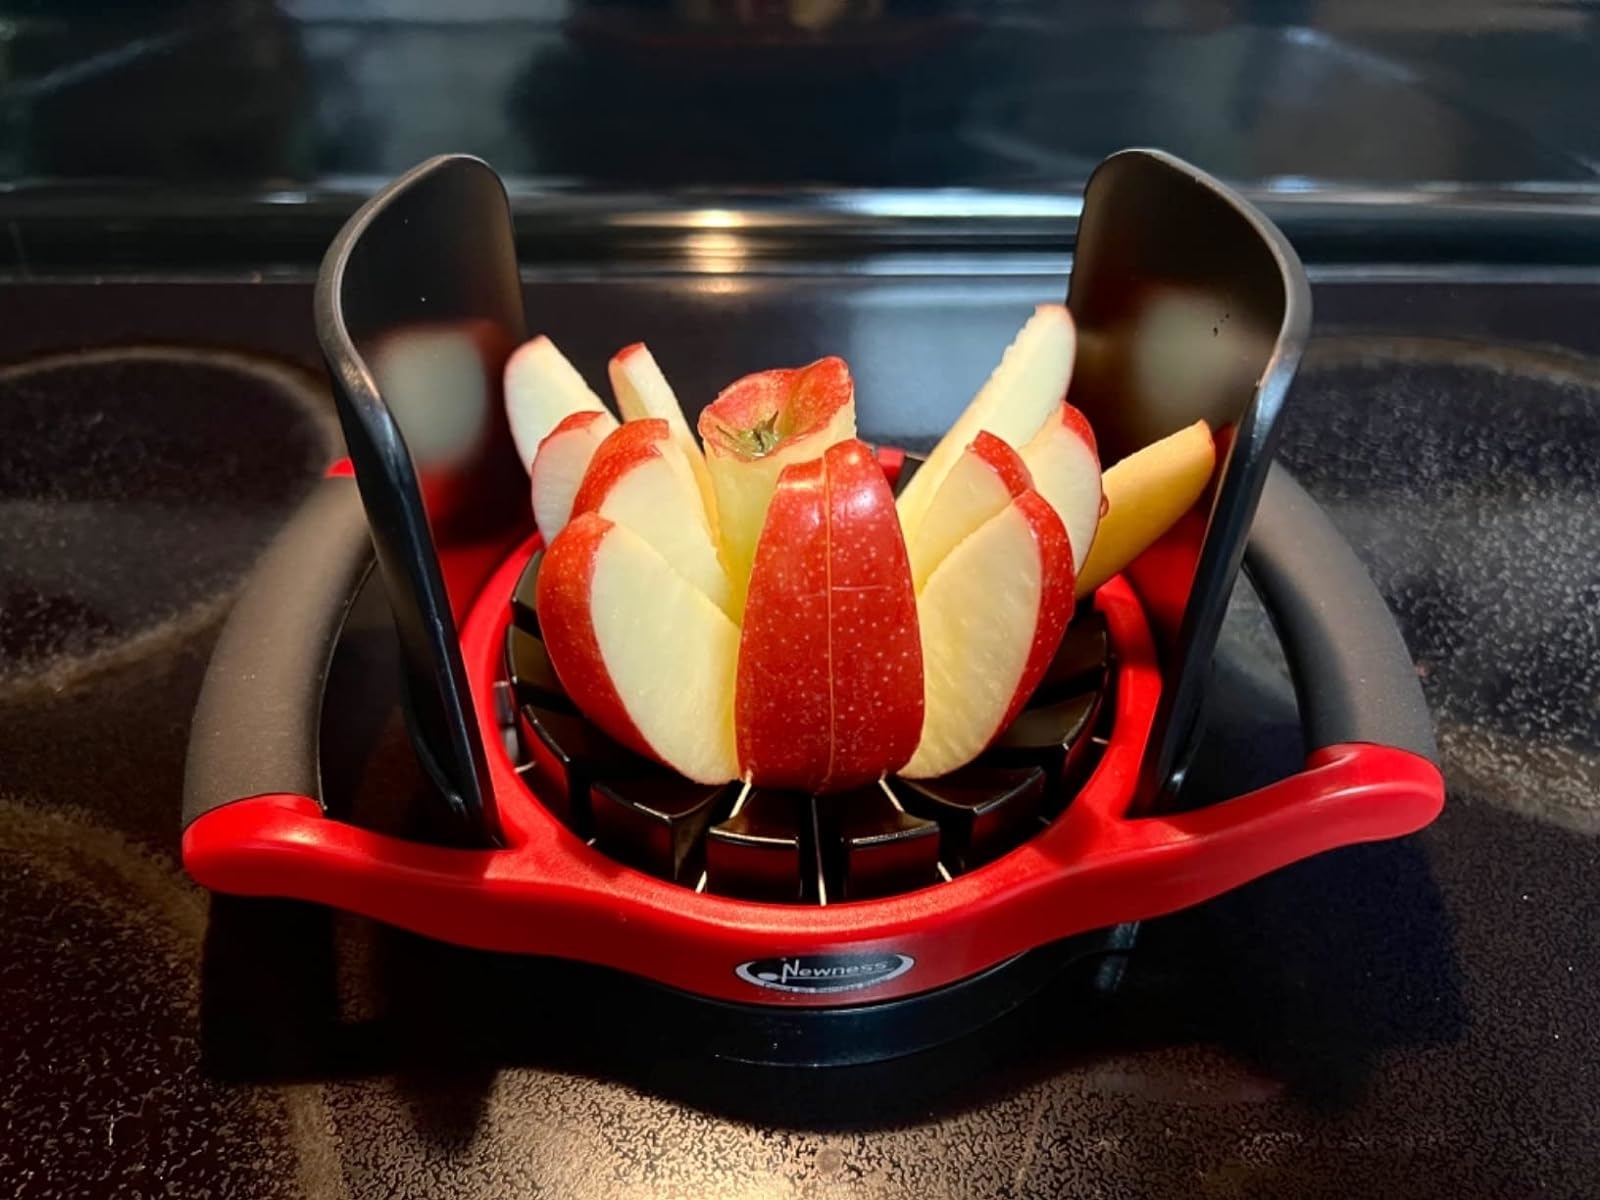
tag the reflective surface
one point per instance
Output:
(1413, 1018)
(1020, 93)
(418, 306)
(130, 447)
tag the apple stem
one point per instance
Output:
(758, 441)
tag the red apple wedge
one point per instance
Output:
(1065, 466)
(982, 482)
(560, 464)
(1021, 394)
(991, 617)
(641, 651)
(639, 478)
(642, 391)
(1146, 493)
(758, 426)
(829, 691)
(542, 388)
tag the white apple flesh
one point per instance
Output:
(541, 389)
(991, 617)
(755, 428)
(980, 484)
(641, 651)
(1146, 493)
(1019, 397)
(640, 479)
(642, 392)
(559, 466)
(1065, 466)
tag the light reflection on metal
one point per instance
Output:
(723, 285)
(870, 231)
(716, 218)
(724, 253)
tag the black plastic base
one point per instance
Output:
(773, 1035)
(276, 1007)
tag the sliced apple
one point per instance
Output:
(754, 429)
(640, 478)
(561, 462)
(642, 391)
(1021, 394)
(1146, 493)
(542, 389)
(991, 617)
(829, 693)
(982, 482)
(1065, 466)
(641, 651)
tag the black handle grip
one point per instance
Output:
(255, 728)
(1353, 676)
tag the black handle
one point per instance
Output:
(255, 728)
(1353, 676)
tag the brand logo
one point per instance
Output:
(814, 973)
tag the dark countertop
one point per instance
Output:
(1418, 1018)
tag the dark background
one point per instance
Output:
(930, 93)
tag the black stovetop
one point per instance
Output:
(1415, 1018)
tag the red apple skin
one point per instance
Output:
(624, 448)
(1057, 602)
(808, 397)
(829, 692)
(570, 423)
(1005, 462)
(577, 420)
(562, 600)
(782, 697)
(1076, 427)
(1074, 420)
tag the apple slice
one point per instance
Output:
(1013, 405)
(1065, 465)
(639, 649)
(758, 426)
(991, 618)
(829, 690)
(1146, 493)
(640, 478)
(542, 388)
(643, 391)
(982, 482)
(560, 464)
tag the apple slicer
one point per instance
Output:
(799, 928)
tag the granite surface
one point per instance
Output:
(1415, 1018)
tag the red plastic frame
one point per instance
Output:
(548, 893)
